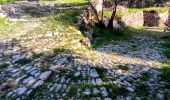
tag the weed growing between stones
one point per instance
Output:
(23, 61)
(3, 66)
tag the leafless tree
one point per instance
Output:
(114, 10)
(115, 3)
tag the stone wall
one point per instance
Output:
(163, 18)
(168, 20)
(146, 3)
(133, 19)
(145, 18)
(22, 9)
(151, 18)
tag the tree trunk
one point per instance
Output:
(113, 15)
(95, 11)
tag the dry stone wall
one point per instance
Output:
(168, 20)
(151, 18)
(133, 19)
(22, 9)
(145, 18)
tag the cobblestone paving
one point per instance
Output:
(124, 70)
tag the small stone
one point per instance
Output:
(130, 89)
(87, 92)
(30, 82)
(62, 80)
(18, 79)
(28, 79)
(38, 83)
(34, 72)
(17, 57)
(28, 92)
(77, 74)
(95, 91)
(86, 42)
(99, 81)
(159, 96)
(28, 68)
(93, 82)
(93, 73)
(58, 88)
(21, 90)
(59, 63)
(107, 99)
(129, 98)
(37, 74)
(104, 92)
(45, 75)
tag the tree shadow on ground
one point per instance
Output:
(132, 42)
(18, 58)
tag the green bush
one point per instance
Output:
(6, 1)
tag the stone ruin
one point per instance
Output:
(168, 20)
(144, 18)
(141, 18)
(151, 18)
(22, 9)
(133, 19)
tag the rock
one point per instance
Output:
(38, 83)
(129, 98)
(123, 9)
(30, 82)
(77, 74)
(45, 75)
(95, 91)
(160, 97)
(28, 68)
(21, 90)
(130, 89)
(80, 21)
(104, 92)
(58, 88)
(99, 81)
(86, 42)
(28, 92)
(106, 22)
(107, 99)
(87, 92)
(93, 73)
(17, 57)
(28, 79)
(93, 82)
(115, 24)
(59, 63)
(18, 79)
(62, 80)
(4, 86)
(89, 33)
